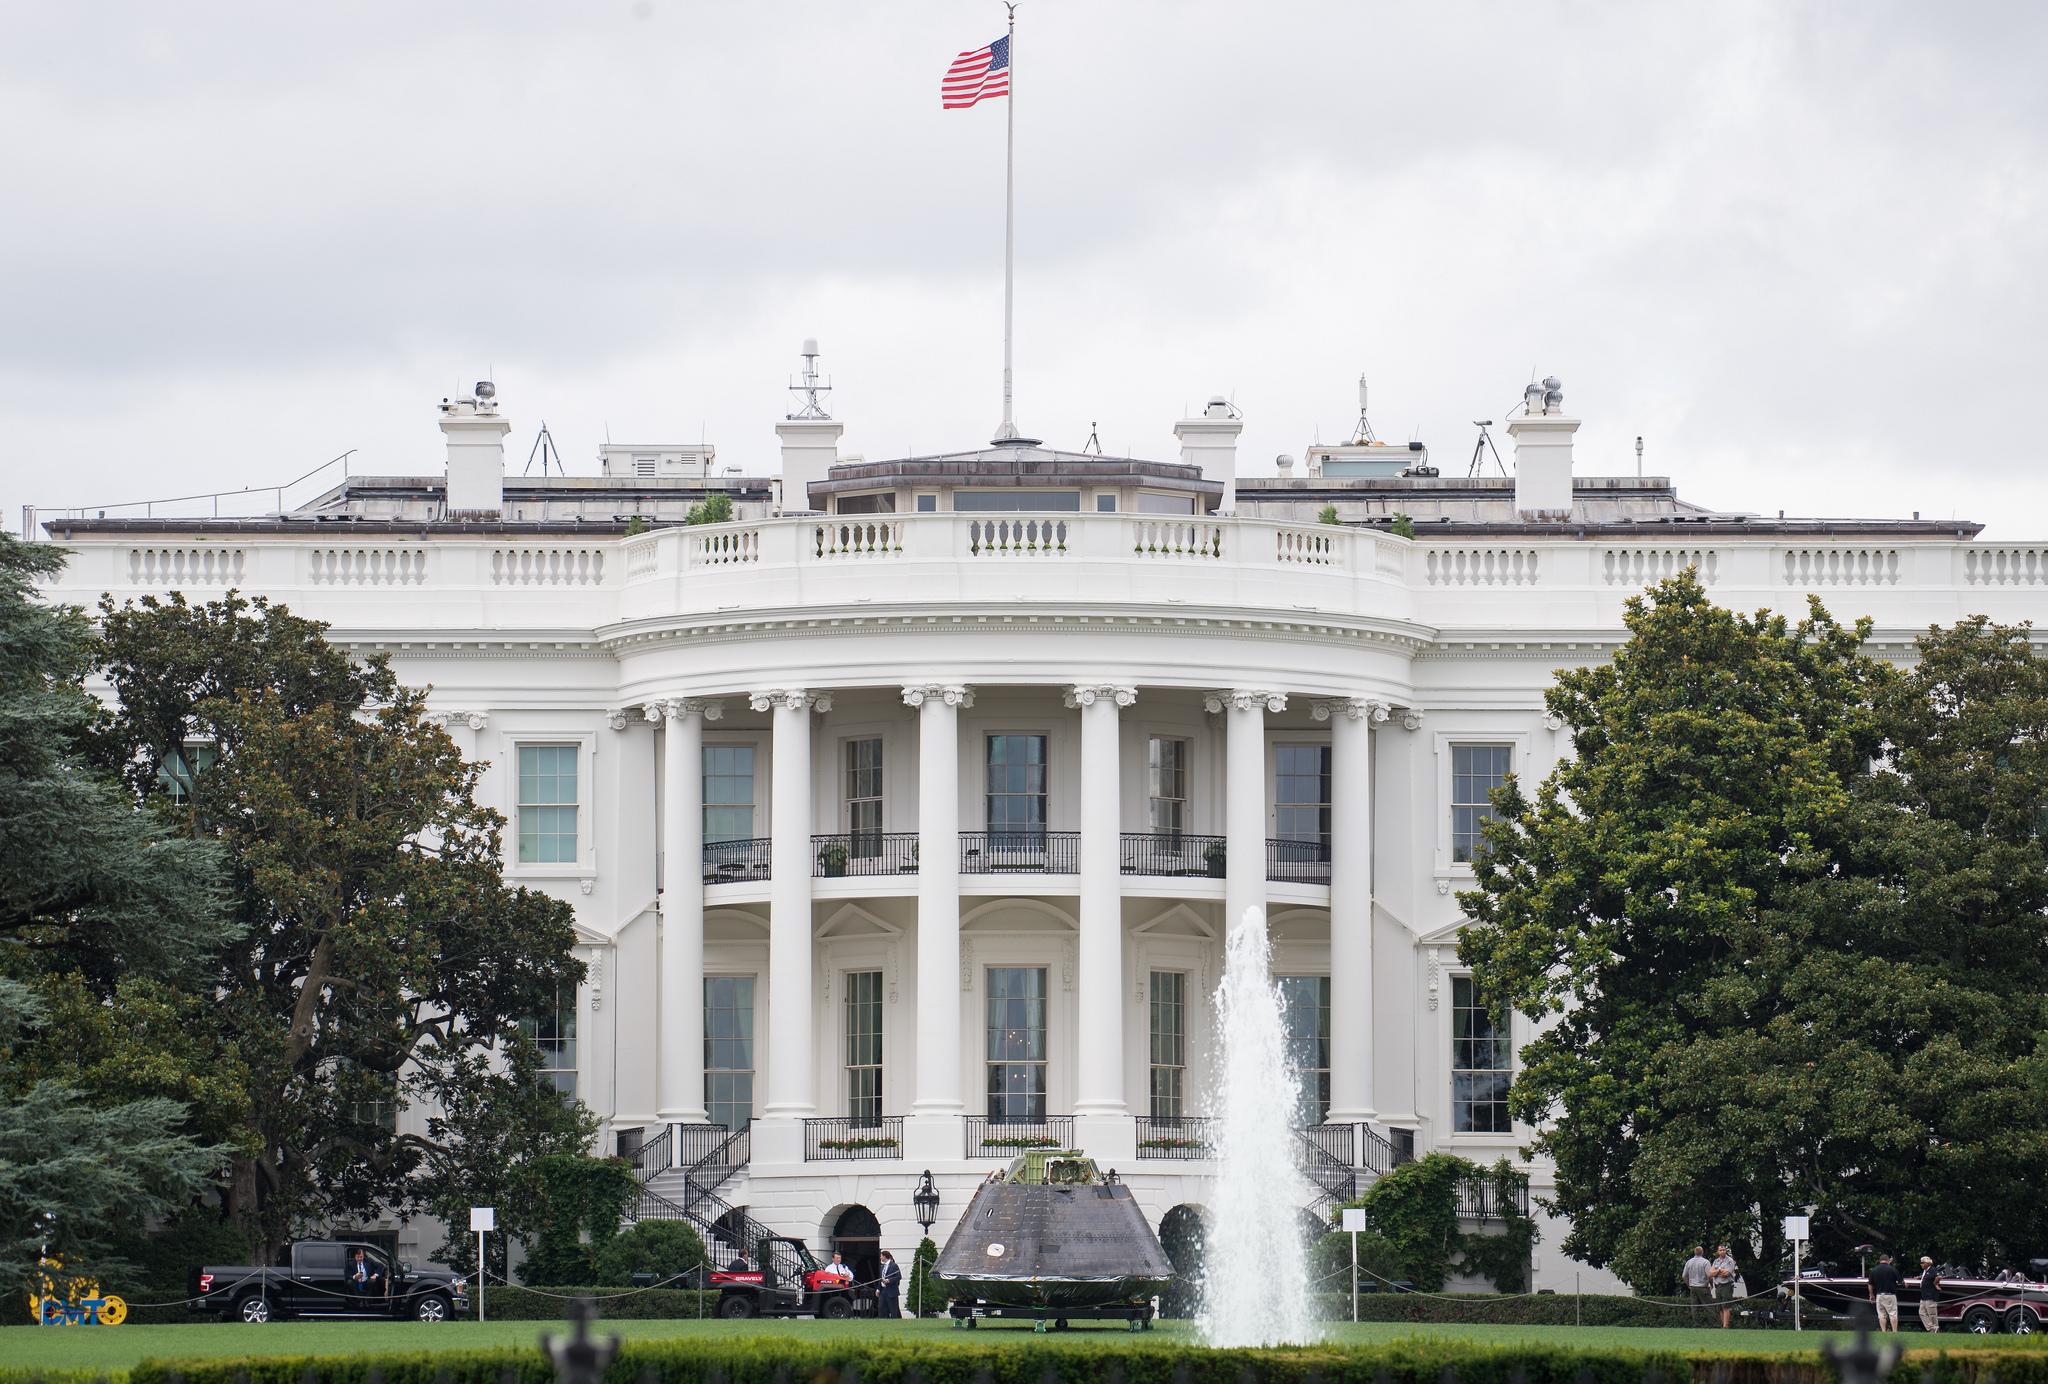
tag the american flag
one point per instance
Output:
(977, 76)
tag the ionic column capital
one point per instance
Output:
(791, 699)
(1086, 694)
(1244, 699)
(952, 694)
(1351, 708)
(676, 708)
(475, 720)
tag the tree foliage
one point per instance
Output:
(580, 1202)
(1780, 917)
(379, 945)
(712, 509)
(666, 1249)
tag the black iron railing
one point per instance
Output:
(726, 862)
(1482, 1201)
(855, 1136)
(656, 1155)
(1333, 1144)
(864, 853)
(1298, 862)
(1378, 1155)
(1172, 853)
(1323, 1153)
(987, 1138)
(1020, 852)
(1175, 1136)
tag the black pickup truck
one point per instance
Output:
(321, 1282)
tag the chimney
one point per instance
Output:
(810, 439)
(1210, 442)
(476, 454)
(1543, 455)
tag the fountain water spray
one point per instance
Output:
(1256, 1291)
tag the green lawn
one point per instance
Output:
(119, 1347)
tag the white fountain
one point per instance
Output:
(1255, 1291)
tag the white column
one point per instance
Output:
(1244, 796)
(680, 1064)
(1351, 1006)
(1103, 1125)
(932, 1132)
(792, 1076)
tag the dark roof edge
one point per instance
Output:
(339, 528)
(1690, 530)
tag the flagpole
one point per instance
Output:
(1009, 428)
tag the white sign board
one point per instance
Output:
(1354, 1220)
(1796, 1227)
(483, 1218)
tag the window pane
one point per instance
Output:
(864, 796)
(1016, 784)
(1301, 794)
(864, 1044)
(728, 793)
(729, 1049)
(1476, 770)
(1480, 1065)
(547, 797)
(1306, 1019)
(1169, 777)
(1169, 1042)
(554, 1031)
(1016, 1042)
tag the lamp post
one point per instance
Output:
(926, 1201)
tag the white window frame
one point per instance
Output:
(585, 742)
(1524, 758)
(758, 742)
(1446, 1028)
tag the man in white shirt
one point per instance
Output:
(1722, 1275)
(837, 1268)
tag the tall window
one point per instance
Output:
(1169, 786)
(1476, 770)
(1016, 787)
(180, 771)
(1169, 1041)
(547, 804)
(864, 796)
(1301, 796)
(864, 1045)
(1306, 1020)
(554, 1029)
(1480, 1073)
(1016, 1043)
(729, 1050)
(728, 793)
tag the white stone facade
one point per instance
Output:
(922, 638)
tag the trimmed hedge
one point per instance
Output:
(1023, 1358)
(1563, 1309)
(502, 1304)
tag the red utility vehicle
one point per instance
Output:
(786, 1282)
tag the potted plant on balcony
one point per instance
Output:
(911, 868)
(832, 855)
(1216, 859)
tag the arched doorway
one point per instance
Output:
(1181, 1236)
(857, 1238)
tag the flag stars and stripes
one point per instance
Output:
(981, 75)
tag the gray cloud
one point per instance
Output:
(1795, 247)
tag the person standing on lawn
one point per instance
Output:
(1930, 1296)
(1884, 1291)
(1698, 1277)
(1722, 1275)
(891, 1304)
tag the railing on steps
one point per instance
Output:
(656, 1155)
(1323, 1153)
(1377, 1155)
(721, 1154)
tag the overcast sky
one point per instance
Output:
(1797, 248)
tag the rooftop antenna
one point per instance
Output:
(1482, 447)
(544, 447)
(1094, 441)
(1363, 434)
(1639, 458)
(810, 389)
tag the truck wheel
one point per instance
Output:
(2020, 1322)
(432, 1308)
(254, 1308)
(1980, 1321)
(736, 1307)
(836, 1307)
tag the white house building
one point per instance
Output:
(903, 815)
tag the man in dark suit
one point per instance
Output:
(891, 1304)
